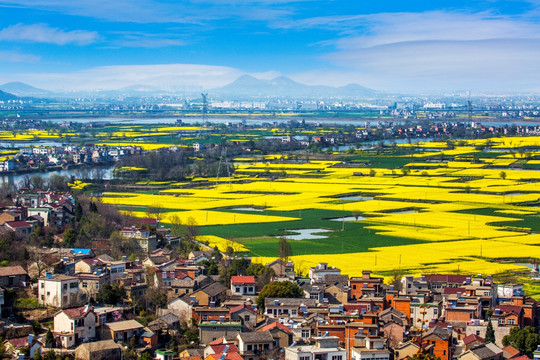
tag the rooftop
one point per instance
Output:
(124, 325)
(12, 271)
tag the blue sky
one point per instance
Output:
(396, 46)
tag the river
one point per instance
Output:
(95, 172)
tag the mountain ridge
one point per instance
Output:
(282, 86)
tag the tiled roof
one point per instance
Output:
(91, 261)
(231, 348)
(19, 342)
(453, 290)
(258, 336)
(77, 312)
(124, 325)
(240, 307)
(217, 341)
(509, 309)
(510, 351)
(276, 325)
(18, 224)
(12, 270)
(522, 357)
(471, 338)
(228, 356)
(213, 289)
(101, 345)
(446, 278)
(242, 279)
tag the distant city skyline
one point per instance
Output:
(391, 46)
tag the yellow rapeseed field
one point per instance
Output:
(430, 204)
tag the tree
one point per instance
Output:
(69, 237)
(146, 356)
(284, 249)
(78, 212)
(490, 333)
(262, 274)
(58, 183)
(395, 279)
(216, 254)
(177, 229)
(525, 340)
(156, 211)
(111, 294)
(502, 174)
(279, 289)
(192, 229)
(93, 207)
(49, 338)
(422, 355)
(37, 182)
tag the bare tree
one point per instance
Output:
(155, 211)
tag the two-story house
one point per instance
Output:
(75, 325)
(325, 348)
(285, 307)
(59, 291)
(146, 241)
(253, 345)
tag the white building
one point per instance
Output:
(146, 241)
(75, 325)
(370, 349)
(325, 348)
(319, 272)
(507, 291)
(287, 307)
(43, 212)
(243, 285)
(117, 270)
(423, 313)
(59, 291)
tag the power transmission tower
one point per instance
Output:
(204, 107)
(225, 161)
(469, 107)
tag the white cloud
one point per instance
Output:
(145, 40)
(43, 33)
(389, 28)
(486, 65)
(166, 77)
(431, 51)
(156, 11)
(16, 57)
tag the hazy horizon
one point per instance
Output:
(415, 47)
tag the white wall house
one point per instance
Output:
(325, 348)
(59, 291)
(243, 285)
(75, 325)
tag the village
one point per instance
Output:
(154, 304)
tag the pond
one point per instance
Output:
(356, 198)
(307, 234)
(348, 218)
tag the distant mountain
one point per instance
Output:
(22, 89)
(4, 96)
(249, 86)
